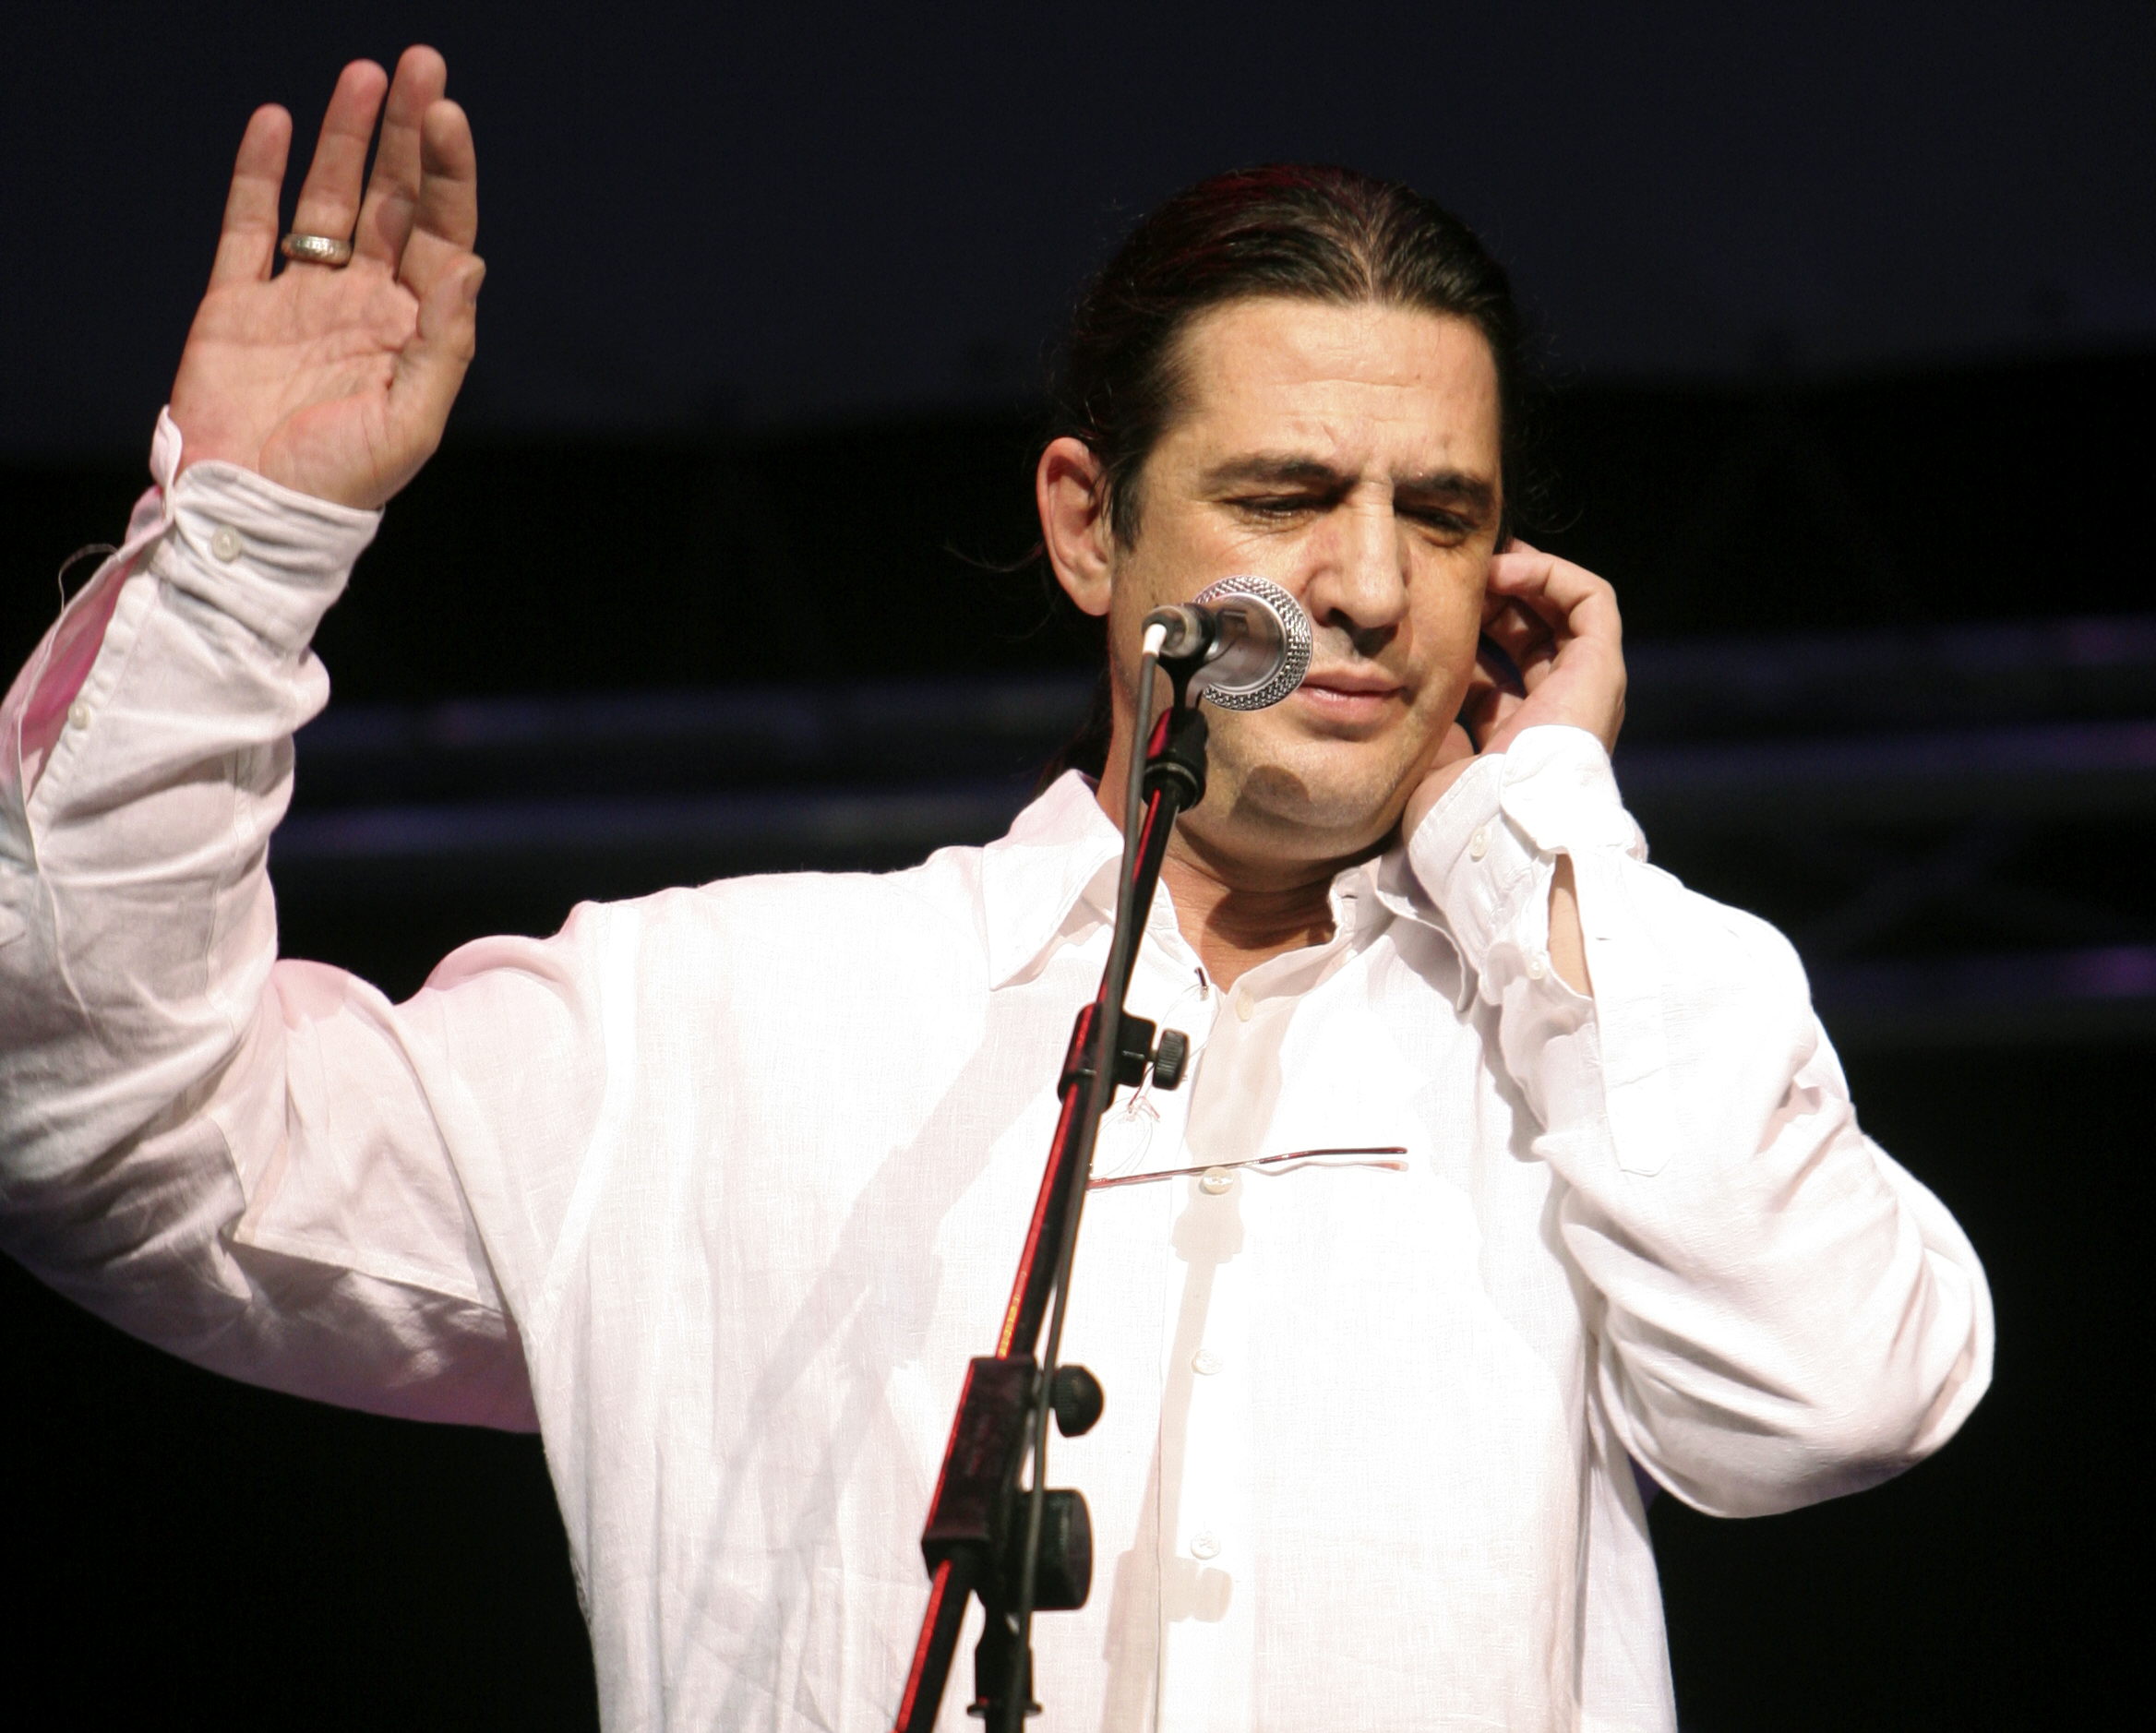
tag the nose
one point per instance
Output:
(1358, 584)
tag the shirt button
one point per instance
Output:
(1204, 1547)
(1205, 1362)
(1537, 966)
(79, 714)
(225, 543)
(1245, 1006)
(1215, 1181)
(1479, 844)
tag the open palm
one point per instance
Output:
(337, 382)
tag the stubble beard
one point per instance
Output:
(1272, 804)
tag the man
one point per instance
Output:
(1506, 1162)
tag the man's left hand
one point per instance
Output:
(1558, 623)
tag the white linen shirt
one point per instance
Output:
(721, 1188)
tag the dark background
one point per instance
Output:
(711, 213)
(1851, 316)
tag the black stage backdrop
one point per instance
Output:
(182, 1551)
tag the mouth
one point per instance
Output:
(1348, 696)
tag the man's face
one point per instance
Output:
(1350, 454)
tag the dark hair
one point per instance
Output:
(1302, 231)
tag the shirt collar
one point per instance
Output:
(1052, 876)
(1040, 872)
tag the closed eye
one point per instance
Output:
(1449, 525)
(1280, 505)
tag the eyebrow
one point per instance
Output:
(1457, 488)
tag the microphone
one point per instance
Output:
(1246, 642)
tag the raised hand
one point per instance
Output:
(1559, 624)
(337, 381)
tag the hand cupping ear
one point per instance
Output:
(1552, 653)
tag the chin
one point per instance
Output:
(1335, 796)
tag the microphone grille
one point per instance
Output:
(1295, 642)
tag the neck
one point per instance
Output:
(1238, 903)
(1236, 917)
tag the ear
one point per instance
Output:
(1074, 529)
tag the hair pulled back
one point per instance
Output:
(1305, 231)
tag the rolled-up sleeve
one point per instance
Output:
(1782, 1313)
(262, 1166)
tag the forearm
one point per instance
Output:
(1568, 942)
(1784, 1313)
(133, 850)
(228, 1155)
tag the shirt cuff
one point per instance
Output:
(272, 559)
(1487, 852)
(269, 557)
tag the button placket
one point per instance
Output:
(1207, 1632)
(1208, 1517)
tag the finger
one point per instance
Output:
(432, 365)
(1495, 665)
(1542, 654)
(1530, 643)
(446, 220)
(247, 245)
(1520, 632)
(392, 191)
(1572, 599)
(328, 199)
(1518, 590)
(1487, 711)
(1477, 704)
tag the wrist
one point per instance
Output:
(1488, 846)
(273, 556)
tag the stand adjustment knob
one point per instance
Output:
(1135, 1050)
(1077, 1399)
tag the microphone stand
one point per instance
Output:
(978, 1541)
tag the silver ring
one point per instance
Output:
(315, 249)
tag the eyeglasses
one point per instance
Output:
(1272, 1165)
